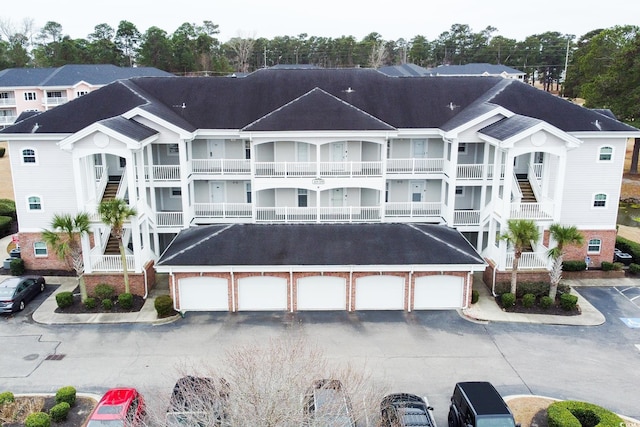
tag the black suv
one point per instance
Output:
(478, 404)
(403, 409)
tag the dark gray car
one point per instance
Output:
(16, 292)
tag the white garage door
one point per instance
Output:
(322, 293)
(380, 293)
(203, 294)
(262, 293)
(437, 292)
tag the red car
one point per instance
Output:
(119, 407)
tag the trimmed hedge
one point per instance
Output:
(66, 394)
(508, 299)
(539, 289)
(5, 224)
(568, 301)
(64, 299)
(8, 208)
(6, 397)
(163, 305)
(634, 268)
(528, 300)
(104, 291)
(574, 265)
(59, 412)
(107, 304)
(17, 267)
(546, 301)
(125, 300)
(572, 413)
(90, 303)
(475, 296)
(38, 419)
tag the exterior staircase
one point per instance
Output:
(113, 247)
(526, 190)
(111, 189)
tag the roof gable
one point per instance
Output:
(317, 110)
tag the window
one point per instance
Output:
(81, 93)
(247, 150)
(172, 150)
(29, 96)
(56, 94)
(40, 249)
(28, 155)
(606, 154)
(302, 198)
(123, 162)
(34, 203)
(462, 147)
(600, 200)
(176, 192)
(248, 192)
(459, 191)
(594, 246)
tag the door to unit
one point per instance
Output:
(417, 191)
(216, 190)
(419, 147)
(216, 149)
(337, 197)
(339, 152)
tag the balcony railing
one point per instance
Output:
(286, 169)
(7, 101)
(169, 219)
(528, 261)
(412, 209)
(223, 210)
(220, 166)
(312, 169)
(539, 211)
(410, 166)
(56, 100)
(466, 217)
(318, 214)
(474, 171)
(162, 173)
(111, 262)
(7, 120)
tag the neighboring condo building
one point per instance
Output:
(319, 189)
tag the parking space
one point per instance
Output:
(632, 293)
(25, 315)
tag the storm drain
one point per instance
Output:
(55, 357)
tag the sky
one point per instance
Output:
(331, 18)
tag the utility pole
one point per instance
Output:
(566, 64)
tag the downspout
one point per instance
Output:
(233, 291)
(469, 289)
(146, 285)
(350, 286)
(173, 289)
(411, 296)
(291, 288)
(493, 285)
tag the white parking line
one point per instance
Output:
(638, 347)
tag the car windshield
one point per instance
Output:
(6, 292)
(495, 422)
(110, 409)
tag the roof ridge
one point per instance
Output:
(199, 242)
(444, 242)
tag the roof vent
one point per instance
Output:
(452, 106)
(35, 128)
(349, 90)
(597, 124)
(183, 106)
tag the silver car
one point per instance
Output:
(16, 292)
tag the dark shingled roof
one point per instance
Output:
(192, 103)
(129, 128)
(319, 244)
(404, 70)
(475, 69)
(70, 74)
(506, 128)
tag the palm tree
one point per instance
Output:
(114, 213)
(520, 233)
(64, 238)
(563, 236)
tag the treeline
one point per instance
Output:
(602, 65)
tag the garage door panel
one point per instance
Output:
(203, 294)
(263, 293)
(438, 292)
(380, 293)
(322, 293)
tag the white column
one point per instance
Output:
(187, 213)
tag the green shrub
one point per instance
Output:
(17, 267)
(6, 397)
(59, 412)
(571, 413)
(163, 305)
(528, 300)
(574, 265)
(125, 300)
(64, 299)
(8, 208)
(568, 301)
(37, 419)
(5, 224)
(2, 151)
(606, 266)
(66, 394)
(104, 291)
(630, 247)
(618, 266)
(475, 296)
(107, 304)
(546, 301)
(508, 299)
(90, 303)
(634, 268)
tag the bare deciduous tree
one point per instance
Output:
(242, 48)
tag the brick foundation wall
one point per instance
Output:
(31, 262)
(116, 280)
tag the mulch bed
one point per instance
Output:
(75, 418)
(79, 307)
(555, 310)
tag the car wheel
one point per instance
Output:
(452, 419)
(21, 306)
(42, 286)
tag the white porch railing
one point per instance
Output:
(412, 209)
(528, 261)
(536, 170)
(543, 210)
(162, 173)
(474, 171)
(409, 166)
(111, 263)
(7, 120)
(56, 100)
(318, 214)
(220, 166)
(351, 169)
(491, 170)
(466, 217)
(223, 210)
(169, 219)
(8, 101)
(286, 169)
